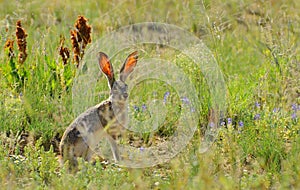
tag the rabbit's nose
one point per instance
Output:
(125, 95)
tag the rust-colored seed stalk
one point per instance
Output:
(21, 42)
(9, 44)
(80, 37)
(84, 31)
(75, 46)
(64, 51)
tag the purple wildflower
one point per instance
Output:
(222, 123)
(257, 104)
(229, 121)
(185, 100)
(294, 116)
(275, 110)
(144, 107)
(241, 124)
(142, 149)
(166, 96)
(211, 124)
(257, 116)
(294, 107)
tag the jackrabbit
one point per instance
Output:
(104, 120)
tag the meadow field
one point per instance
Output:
(256, 45)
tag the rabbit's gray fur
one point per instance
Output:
(85, 132)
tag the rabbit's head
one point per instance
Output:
(118, 88)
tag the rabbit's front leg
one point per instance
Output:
(114, 148)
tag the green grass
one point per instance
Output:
(256, 44)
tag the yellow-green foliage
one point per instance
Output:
(256, 44)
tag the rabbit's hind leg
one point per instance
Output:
(67, 155)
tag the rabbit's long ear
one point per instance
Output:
(106, 68)
(128, 66)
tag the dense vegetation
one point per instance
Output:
(256, 44)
